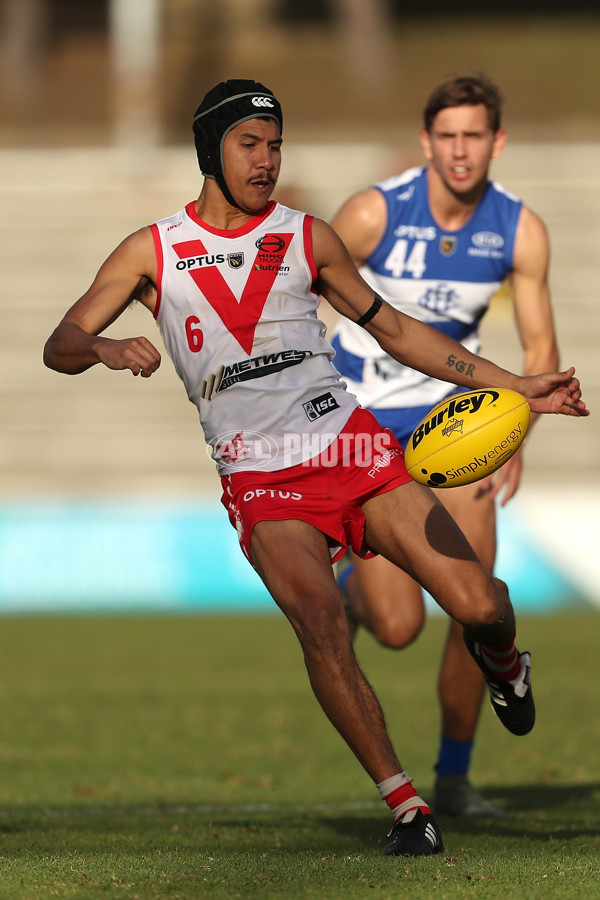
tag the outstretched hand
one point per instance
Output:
(558, 393)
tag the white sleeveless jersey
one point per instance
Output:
(237, 311)
(443, 278)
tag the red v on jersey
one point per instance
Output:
(239, 317)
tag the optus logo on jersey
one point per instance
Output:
(207, 259)
(416, 232)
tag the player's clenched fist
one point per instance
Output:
(136, 354)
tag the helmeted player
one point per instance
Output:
(436, 242)
(233, 281)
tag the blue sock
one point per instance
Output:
(344, 577)
(454, 757)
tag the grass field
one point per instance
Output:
(185, 757)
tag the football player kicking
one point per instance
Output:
(295, 512)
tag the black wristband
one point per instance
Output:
(372, 311)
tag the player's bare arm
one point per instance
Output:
(361, 223)
(535, 327)
(76, 344)
(419, 346)
(533, 310)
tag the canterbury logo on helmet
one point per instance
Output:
(262, 101)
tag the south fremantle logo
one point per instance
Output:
(235, 260)
(247, 369)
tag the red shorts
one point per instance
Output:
(326, 491)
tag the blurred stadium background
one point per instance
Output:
(108, 500)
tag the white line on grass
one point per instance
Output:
(206, 809)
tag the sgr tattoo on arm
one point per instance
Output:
(460, 365)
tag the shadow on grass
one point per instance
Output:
(542, 812)
(539, 812)
(523, 798)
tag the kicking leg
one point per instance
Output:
(410, 527)
(476, 516)
(389, 603)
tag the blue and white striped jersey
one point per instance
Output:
(444, 278)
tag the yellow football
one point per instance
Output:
(466, 437)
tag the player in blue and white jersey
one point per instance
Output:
(437, 242)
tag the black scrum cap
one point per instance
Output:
(224, 107)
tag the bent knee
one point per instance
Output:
(397, 629)
(487, 605)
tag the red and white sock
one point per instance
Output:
(400, 795)
(501, 660)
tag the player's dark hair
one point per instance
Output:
(465, 91)
(222, 108)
